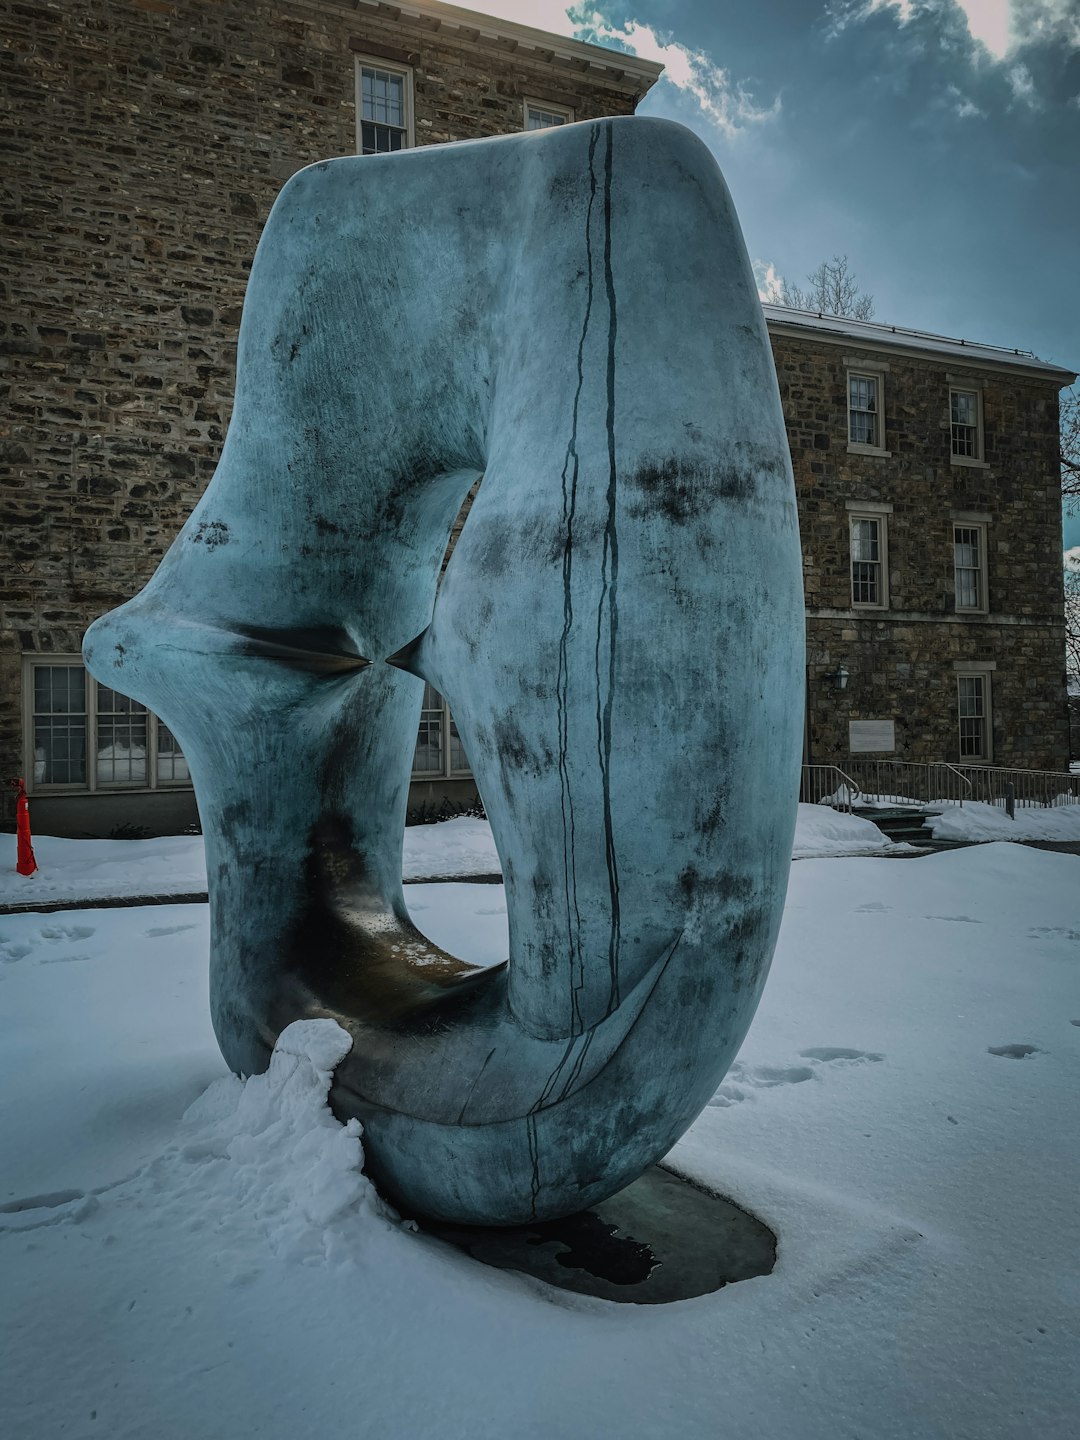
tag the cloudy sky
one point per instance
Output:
(936, 143)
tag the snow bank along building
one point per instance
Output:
(146, 141)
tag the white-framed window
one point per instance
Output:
(866, 412)
(974, 716)
(540, 115)
(969, 566)
(384, 108)
(869, 559)
(439, 751)
(966, 423)
(83, 736)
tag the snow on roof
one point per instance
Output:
(871, 334)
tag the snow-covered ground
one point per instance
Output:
(976, 821)
(70, 870)
(175, 865)
(903, 1113)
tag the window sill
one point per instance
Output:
(970, 461)
(854, 448)
(971, 610)
(861, 609)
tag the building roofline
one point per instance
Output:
(524, 37)
(871, 334)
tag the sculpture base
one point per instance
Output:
(661, 1239)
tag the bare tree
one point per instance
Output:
(1072, 618)
(1070, 447)
(832, 290)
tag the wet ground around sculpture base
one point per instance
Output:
(659, 1240)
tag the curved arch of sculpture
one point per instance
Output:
(571, 315)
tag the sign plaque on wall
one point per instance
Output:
(866, 736)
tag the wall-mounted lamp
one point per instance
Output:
(838, 678)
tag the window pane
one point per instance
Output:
(121, 739)
(863, 410)
(60, 750)
(382, 96)
(171, 764)
(864, 540)
(866, 562)
(543, 119)
(59, 690)
(966, 541)
(380, 139)
(59, 725)
(971, 696)
(458, 759)
(428, 759)
(964, 407)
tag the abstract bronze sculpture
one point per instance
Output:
(571, 315)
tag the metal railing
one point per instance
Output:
(906, 782)
(1029, 788)
(828, 785)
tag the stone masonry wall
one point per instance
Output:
(145, 142)
(901, 661)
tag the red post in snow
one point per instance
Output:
(25, 863)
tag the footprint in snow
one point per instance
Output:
(167, 930)
(1015, 1052)
(957, 919)
(872, 907)
(49, 1201)
(830, 1053)
(742, 1080)
(1038, 931)
(66, 932)
(12, 950)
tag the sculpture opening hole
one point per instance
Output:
(466, 919)
(459, 524)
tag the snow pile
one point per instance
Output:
(975, 820)
(270, 1146)
(821, 831)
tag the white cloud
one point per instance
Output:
(999, 26)
(842, 13)
(1047, 22)
(1022, 85)
(726, 102)
(770, 284)
(962, 105)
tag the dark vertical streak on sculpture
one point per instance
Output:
(534, 1159)
(609, 592)
(573, 922)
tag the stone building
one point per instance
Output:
(929, 489)
(145, 142)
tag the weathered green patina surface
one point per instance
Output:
(570, 314)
